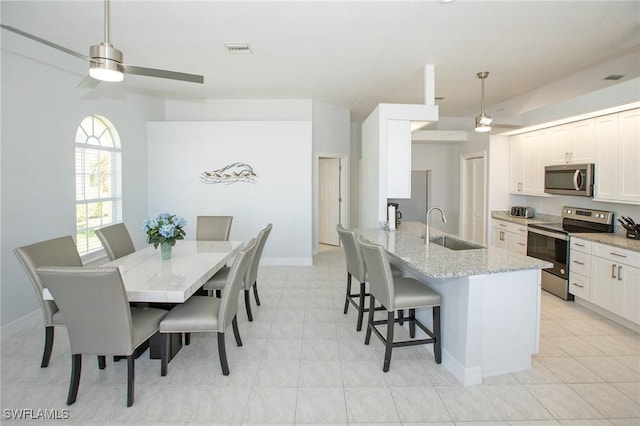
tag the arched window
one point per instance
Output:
(98, 180)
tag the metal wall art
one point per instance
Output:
(236, 172)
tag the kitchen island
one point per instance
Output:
(490, 310)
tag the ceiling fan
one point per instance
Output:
(106, 61)
(484, 121)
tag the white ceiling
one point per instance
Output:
(355, 54)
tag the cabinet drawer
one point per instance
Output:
(578, 244)
(580, 263)
(579, 285)
(616, 255)
(511, 227)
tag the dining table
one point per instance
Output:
(148, 278)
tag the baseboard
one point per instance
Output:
(20, 324)
(609, 315)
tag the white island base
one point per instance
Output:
(490, 323)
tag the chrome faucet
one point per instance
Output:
(426, 228)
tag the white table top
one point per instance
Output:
(148, 278)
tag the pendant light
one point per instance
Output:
(483, 121)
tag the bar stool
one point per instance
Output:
(356, 268)
(396, 294)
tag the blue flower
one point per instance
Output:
(167, 230)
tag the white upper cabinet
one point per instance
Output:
(617, 157)
(573, 143)
(528, 155)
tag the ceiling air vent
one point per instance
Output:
(614, 77)
(237, 48)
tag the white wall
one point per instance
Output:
(41, 110)
(279, 153)
(442, 160)
(331, 138)
(240, 109)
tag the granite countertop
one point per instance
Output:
(616, 239)
(538, 218)
(438, 262)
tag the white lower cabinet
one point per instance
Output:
(615, 281)
(510, 236)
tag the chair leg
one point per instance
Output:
(218, 294)
(389, 344)
(412, 323)
(360, 307)
(164, 353)
(255, 292)
(372, 304)
(48, 346)
(346, 299)
(131, 378)
(236, 331)
(247, 304)
(222, 353)
(401, 316)
(102, 362)
(76, 368)
(187, 339)
(437, 346)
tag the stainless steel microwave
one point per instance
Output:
(569, 179)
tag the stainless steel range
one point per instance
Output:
(550, 242)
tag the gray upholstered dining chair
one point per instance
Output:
(60, 251)
(110, 327)
(395, 294)
(201, 314)
(213, 228)
(218, 281)
(116, 240)
(356, 268)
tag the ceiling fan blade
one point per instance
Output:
(88, 82)
(45, 42)
(172, 75)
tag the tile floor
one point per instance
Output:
(303, 362)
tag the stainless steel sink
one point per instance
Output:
(453, 243)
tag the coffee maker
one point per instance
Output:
(398, 215)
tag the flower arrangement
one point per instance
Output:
(165, 228)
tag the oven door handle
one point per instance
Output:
(549, 234)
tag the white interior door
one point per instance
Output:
(328, 200)
(474, 200)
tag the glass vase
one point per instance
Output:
(165, 249)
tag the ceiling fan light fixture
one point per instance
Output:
(107, 71)
(106, 63)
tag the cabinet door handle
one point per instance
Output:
(617, 254)
(619, 273)
(577, 285)
(521, 244)
(579, 244)
(502, 224)
(501, 235)
(579, 263)
(613, 271)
